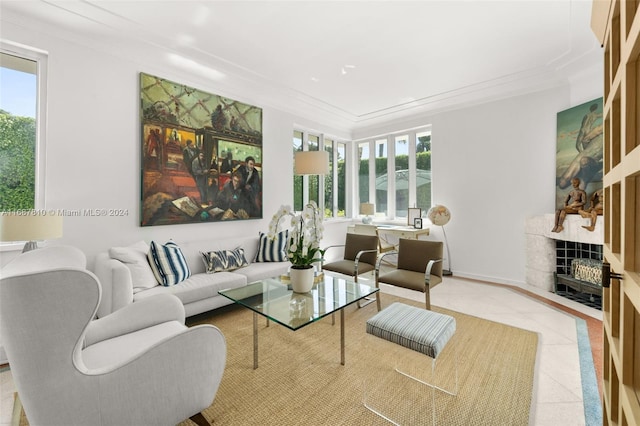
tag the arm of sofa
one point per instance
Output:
(146, 313)
(115, 281)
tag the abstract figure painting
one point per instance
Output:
(201, 155)
(579, 149)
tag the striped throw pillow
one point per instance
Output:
(272, 250)
(168, 263)
(224, 260)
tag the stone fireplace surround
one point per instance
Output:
(541, 244)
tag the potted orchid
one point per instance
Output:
(303, 242)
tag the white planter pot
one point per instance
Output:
(301, 280)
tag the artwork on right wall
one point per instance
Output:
(579, 149)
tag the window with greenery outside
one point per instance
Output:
(17, 162)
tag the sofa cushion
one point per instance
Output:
(260, 271)
(198, 287)
(168, 263)
(224, 260)
(272, 250)
(135, 259)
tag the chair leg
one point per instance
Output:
(427, 298)
(200, 420)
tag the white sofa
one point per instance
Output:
(121, 284)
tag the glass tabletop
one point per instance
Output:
(275, 300)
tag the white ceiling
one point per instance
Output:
(358, 60)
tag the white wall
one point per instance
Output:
(93, 141)
(493, 164)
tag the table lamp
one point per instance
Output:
(367, 209)
(30, 228)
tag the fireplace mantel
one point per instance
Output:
(541, 245)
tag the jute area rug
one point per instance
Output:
(300, 379)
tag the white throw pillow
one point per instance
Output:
(135, 258)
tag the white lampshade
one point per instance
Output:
(367, 208)
(29, 227)
(312, 163)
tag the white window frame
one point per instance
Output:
(41, 59)
(306, 132)
(390, 138)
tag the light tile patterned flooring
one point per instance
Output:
(558, 395)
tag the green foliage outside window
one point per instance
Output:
(17, 162)
(423, 162)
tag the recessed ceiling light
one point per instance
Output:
(315, 79)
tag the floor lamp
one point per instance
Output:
(312, 163)
(439, 215)
(30, 228)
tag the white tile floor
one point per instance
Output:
(557, 391)
(558, 388)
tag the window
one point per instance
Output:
(328, 191)
(313, 144)
(402, 175)
(363, 172)
(381, 167)
(408, 156)
(423, 170)
(297, 180)
(18, 130)
(329, 202)
(341, 179)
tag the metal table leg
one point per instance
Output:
(342, 336)
(255, 340)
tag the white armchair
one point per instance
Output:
(138, 366)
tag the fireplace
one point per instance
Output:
(578, 274)
(549, 253)
(567, 251)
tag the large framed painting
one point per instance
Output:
(579, 150)
(201, 155)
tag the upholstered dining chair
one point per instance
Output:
(383, 245)
(360, 253)
(419, 267)
(137, 366)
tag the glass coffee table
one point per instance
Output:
(273, 299)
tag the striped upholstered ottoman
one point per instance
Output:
(414, 328)
(423, 331)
